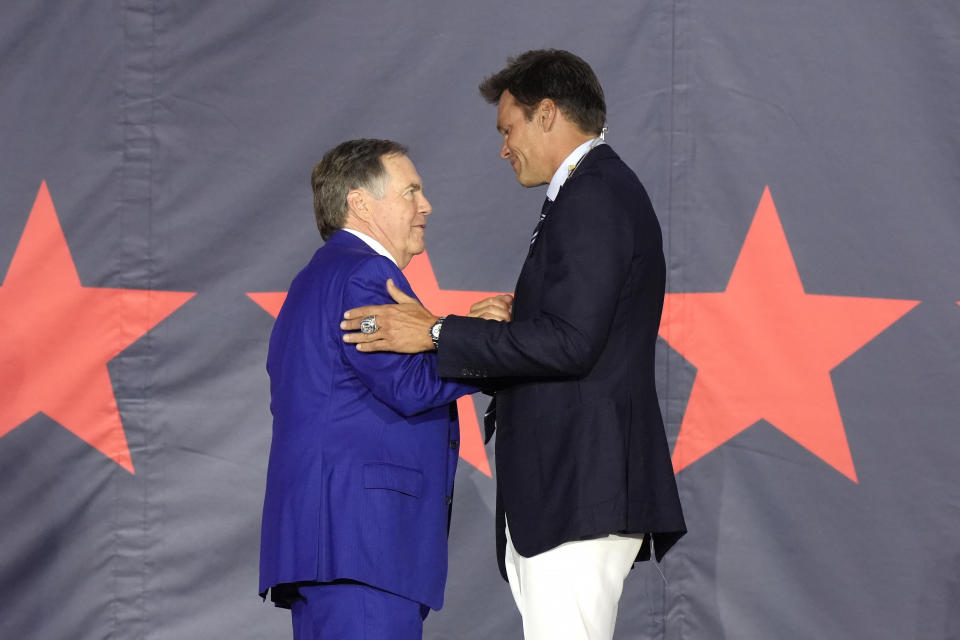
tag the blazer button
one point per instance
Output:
(448, 500)
(454, 444)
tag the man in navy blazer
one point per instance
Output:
(364, 449)
(584, 477)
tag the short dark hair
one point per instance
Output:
(353, 164)
(551, 73)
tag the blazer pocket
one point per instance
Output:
(382, 475)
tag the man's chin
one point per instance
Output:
(529, 182)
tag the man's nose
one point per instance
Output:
(504, 151)
(425, 207)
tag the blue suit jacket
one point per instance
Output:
(365, 446)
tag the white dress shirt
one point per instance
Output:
(373, 244)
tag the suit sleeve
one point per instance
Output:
(590, 245)
(409, 384)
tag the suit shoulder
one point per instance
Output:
(607, 174)
(370, 270)
(599, 184)
(610, 190)
(607, 166)
(348, 261)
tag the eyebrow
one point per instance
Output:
(416, 186)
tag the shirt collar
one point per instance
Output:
(568, 165)
(373, 244)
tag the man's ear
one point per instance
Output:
(357, 204)
(546, 114)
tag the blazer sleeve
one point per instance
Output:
(408, 384)
(589, 244)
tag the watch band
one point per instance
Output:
(435, 332)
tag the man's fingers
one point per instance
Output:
(361, 338)
(396, 293)
(490, 309)
(498, 302)
(370, 346)
(366, 342)
(483, 304)
(499, 316)
(351, 325)
(359, 313)
(493, 308)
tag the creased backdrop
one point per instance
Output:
(804, 159)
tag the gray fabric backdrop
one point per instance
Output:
(176, 140)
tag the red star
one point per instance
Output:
(441, 302)
(58, 337)
(764, 350)
(271, 301)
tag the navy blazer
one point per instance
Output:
(581, 449)
(365, 446)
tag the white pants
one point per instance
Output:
(571, 592)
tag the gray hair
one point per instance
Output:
(353, 164)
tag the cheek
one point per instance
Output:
(417, 241)
(416, 233)
(524, 151)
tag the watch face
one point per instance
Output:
(435, 330)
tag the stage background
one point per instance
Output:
(803, 158)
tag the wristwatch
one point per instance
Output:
(435, 331)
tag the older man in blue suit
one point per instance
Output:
(364, 450)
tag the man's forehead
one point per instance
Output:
(501, 117)
(506, 106)
(505, 97)
(400, 169)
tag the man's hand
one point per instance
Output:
(494, 308)
(403, 327)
